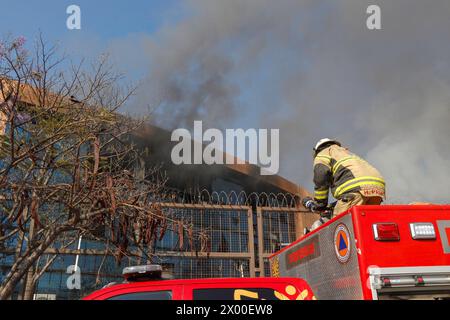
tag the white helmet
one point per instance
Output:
(323, 141)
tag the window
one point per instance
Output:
(150, 295)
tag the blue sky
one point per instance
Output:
(105, 19)
(104, 23)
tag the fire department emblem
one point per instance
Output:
(342, 244)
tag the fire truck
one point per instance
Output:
(374, 253)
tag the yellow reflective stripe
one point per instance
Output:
(327, 161)
(336, 166)
(359, 179)
(321, 194)
(357, 182)
(324, 157)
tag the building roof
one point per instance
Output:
(160, 144)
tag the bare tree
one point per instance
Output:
(67, 164)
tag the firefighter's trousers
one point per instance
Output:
(354, 199)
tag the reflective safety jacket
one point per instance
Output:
(343, 172)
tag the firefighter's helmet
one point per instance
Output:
(324, 141)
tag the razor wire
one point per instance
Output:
(242, 198)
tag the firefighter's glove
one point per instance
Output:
(312, 205)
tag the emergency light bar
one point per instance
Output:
(145, 273)
(422, 230)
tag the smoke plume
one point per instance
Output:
(313, 70)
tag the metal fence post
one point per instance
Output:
(260, 241)
(251, 241)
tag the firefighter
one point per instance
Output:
(352, 180)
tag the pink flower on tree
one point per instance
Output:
(19, 42)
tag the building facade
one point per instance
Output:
(242, 233)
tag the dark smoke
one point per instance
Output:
(312, 69)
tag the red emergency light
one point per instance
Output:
(386, 232)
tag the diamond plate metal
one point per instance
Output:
(328, 277)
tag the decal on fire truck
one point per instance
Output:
(342, 243)
(289, 292)
(275, 267)
(307, 251)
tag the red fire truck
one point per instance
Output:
(147, 283)
(374, 252)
